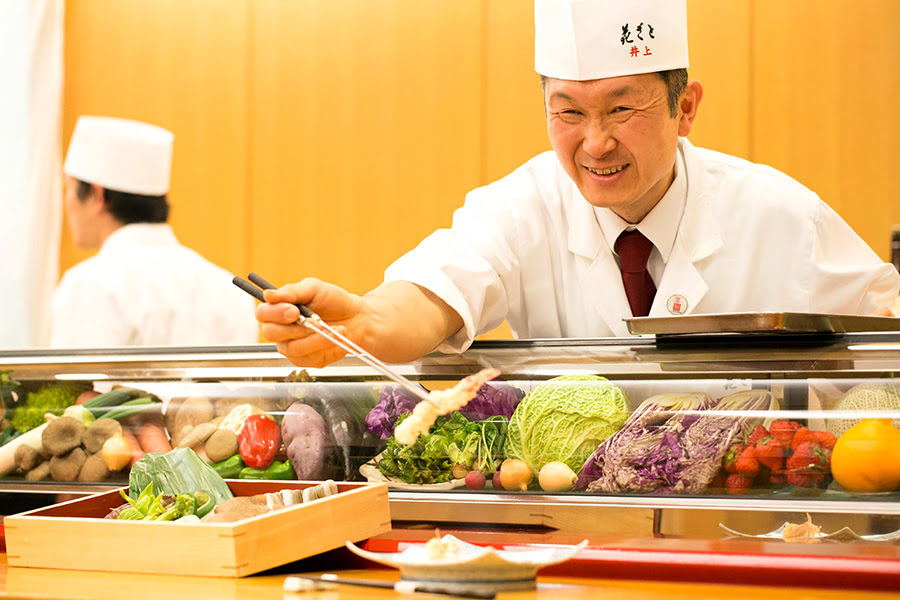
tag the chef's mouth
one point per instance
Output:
(608, 171)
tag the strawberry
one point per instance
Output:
(801, 436)
(731, 457)
(769, 452)
(778, 478)
(805, 478)
(808, 466)
(746, 464)
(825, 439)
(718, 481)
(758, 433)
(737, 484)
(783, 431)
(809, 456)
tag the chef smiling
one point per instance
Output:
(623, 218)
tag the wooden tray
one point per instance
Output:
(72, 535)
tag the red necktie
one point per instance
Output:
(634, 250)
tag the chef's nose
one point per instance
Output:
(598, 140)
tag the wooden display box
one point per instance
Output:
(73, 535)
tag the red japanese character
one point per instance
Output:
(647, 51)
(635, 51)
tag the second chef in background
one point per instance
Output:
(143, 288)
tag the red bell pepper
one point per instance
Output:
(259, 441)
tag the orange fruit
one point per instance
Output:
(866, 458)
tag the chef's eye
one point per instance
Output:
(569, 112)
(619, 109)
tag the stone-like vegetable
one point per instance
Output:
(98, 432)
(28, 458)
(94, 469)
(182, 412)
(221, 445)
(62, 435)
(66, 467)
(39, 473)
(197, 435)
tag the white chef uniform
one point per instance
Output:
(529, 248)
(728, 235)
(143, 288)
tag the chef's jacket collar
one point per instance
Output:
(140, 234)
(661, 223)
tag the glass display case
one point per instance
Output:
(681, 436)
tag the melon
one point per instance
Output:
(865, 397)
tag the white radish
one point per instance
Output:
(556, 476)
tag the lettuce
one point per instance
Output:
(450, 441)
(565, 419)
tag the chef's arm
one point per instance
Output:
(397, 321)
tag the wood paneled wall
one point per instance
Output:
(327, 137)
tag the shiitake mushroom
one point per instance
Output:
(62, 435)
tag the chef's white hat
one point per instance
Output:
(594, 39)
(119, 154)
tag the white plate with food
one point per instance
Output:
(370, 471)
(809, 533)
(448, 559)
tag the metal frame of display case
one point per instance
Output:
(770, 358)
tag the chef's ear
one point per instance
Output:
(97, 196)
(688, 106)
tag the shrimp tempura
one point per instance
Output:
(446, 401)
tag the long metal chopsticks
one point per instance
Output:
(311, 320)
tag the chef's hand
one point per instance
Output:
(380, 321)
(301, 345)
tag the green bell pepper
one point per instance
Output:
(230, 468)
(277, 470)
(205, 503)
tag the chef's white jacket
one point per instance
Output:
(143, 288)
(529, 248)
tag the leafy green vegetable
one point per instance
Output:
(565, 419)
(164, 507)
(53, 398)
(180, 471)
(451, 440)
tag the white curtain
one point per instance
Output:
(31, 77)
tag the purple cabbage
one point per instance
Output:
(393, 402)
(662, 449)
(491, 400)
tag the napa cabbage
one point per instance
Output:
(565, 419)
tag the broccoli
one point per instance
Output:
(52, 398)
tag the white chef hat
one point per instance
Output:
(594, 39)
(119, 154)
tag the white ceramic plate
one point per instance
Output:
(475, 565)
(373, 475)
(844, 534)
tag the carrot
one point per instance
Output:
(136, 452)
(153, 438)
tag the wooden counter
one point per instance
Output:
(81, 585)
